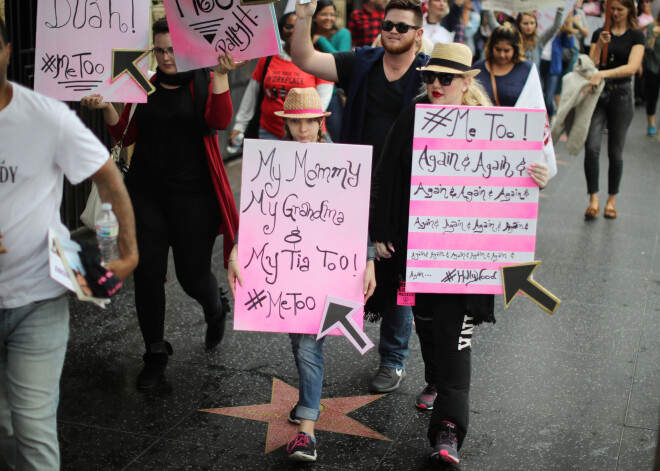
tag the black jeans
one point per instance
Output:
(652, 88)
(614, 108)
(189, 224)
(445, 335)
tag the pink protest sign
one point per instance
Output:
(74, 47)
(202, 30)
(473, 206)
(303, 233)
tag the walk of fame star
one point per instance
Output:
(333, 415)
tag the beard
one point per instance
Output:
(401, 48)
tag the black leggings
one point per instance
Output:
(445, 332)
(652, 87)
(189, 224)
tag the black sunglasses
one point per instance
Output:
(401, 28)
(445, 78)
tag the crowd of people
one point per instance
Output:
(349, 85)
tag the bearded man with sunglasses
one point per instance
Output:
(379, 82)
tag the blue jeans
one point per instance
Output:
(615, 108)
(32, 346)
(395, 330)
(308, 354)
(263, 134)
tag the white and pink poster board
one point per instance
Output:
(303, 233)
(202, 30)
(473, 206)
(74, 44)
(520, 5)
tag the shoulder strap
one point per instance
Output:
(492, 82)
(128, 124)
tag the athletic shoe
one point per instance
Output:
(302, 447)
(651, 131)
(446, 444)
(387, 379)
(293, 418)
(426, 398)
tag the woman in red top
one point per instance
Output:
(180, 193)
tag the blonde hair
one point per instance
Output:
(529, 42)
(475, 95)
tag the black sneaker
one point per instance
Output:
(426, 398)
(446, 444)
(302, 447)
(387, 379)
(293, 418)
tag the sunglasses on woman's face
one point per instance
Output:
(401, 28)
(445, 78)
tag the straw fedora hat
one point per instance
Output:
(302, 103)
(452, 58)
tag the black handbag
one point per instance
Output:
(252, 129)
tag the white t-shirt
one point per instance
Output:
(41, 140)
(437, 33)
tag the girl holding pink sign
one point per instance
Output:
(303, 122)
(444, 322)
(180, 193)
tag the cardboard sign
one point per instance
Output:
(473, 206)
(520, 5)
(74, 47)
(303, 233)
(203, 30)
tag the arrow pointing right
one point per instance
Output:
(518, 278)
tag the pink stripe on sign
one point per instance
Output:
(414, 287)
(437, 144)
(507, 242)
(472, 209)
(458, 264)
(480, 108)
(428, 180)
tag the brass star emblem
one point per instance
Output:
(283, 397)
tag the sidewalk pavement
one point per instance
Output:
(579, 390)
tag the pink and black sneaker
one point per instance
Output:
(302, 447)
(426, 398)
(446, 444)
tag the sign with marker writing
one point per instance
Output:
(201, 30)
(520, 5)
(303, 233)
(473, 205)
(74, 48)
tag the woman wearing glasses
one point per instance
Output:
(440, 319)
(180, 193)
(271, 80)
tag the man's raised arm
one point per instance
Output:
(303, 54)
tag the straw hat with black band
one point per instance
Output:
(451, 58)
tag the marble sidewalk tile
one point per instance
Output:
(566, 385)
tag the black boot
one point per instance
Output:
(215, 328)
(155, 361)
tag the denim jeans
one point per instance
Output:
(395, 330)
(32, 347)
(614, 108)
(263, 134)
(308, 354)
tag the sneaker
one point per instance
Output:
(302, 447)
(293, 418)
(387, 379)
(651, 131)
(426, 398)
(446, 444)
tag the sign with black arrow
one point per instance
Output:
(518, 278)
(125, 61)
(337, 314)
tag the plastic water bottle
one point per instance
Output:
(236, 145)
(107, 232)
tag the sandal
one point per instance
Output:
(591, 213)
(610, 213)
